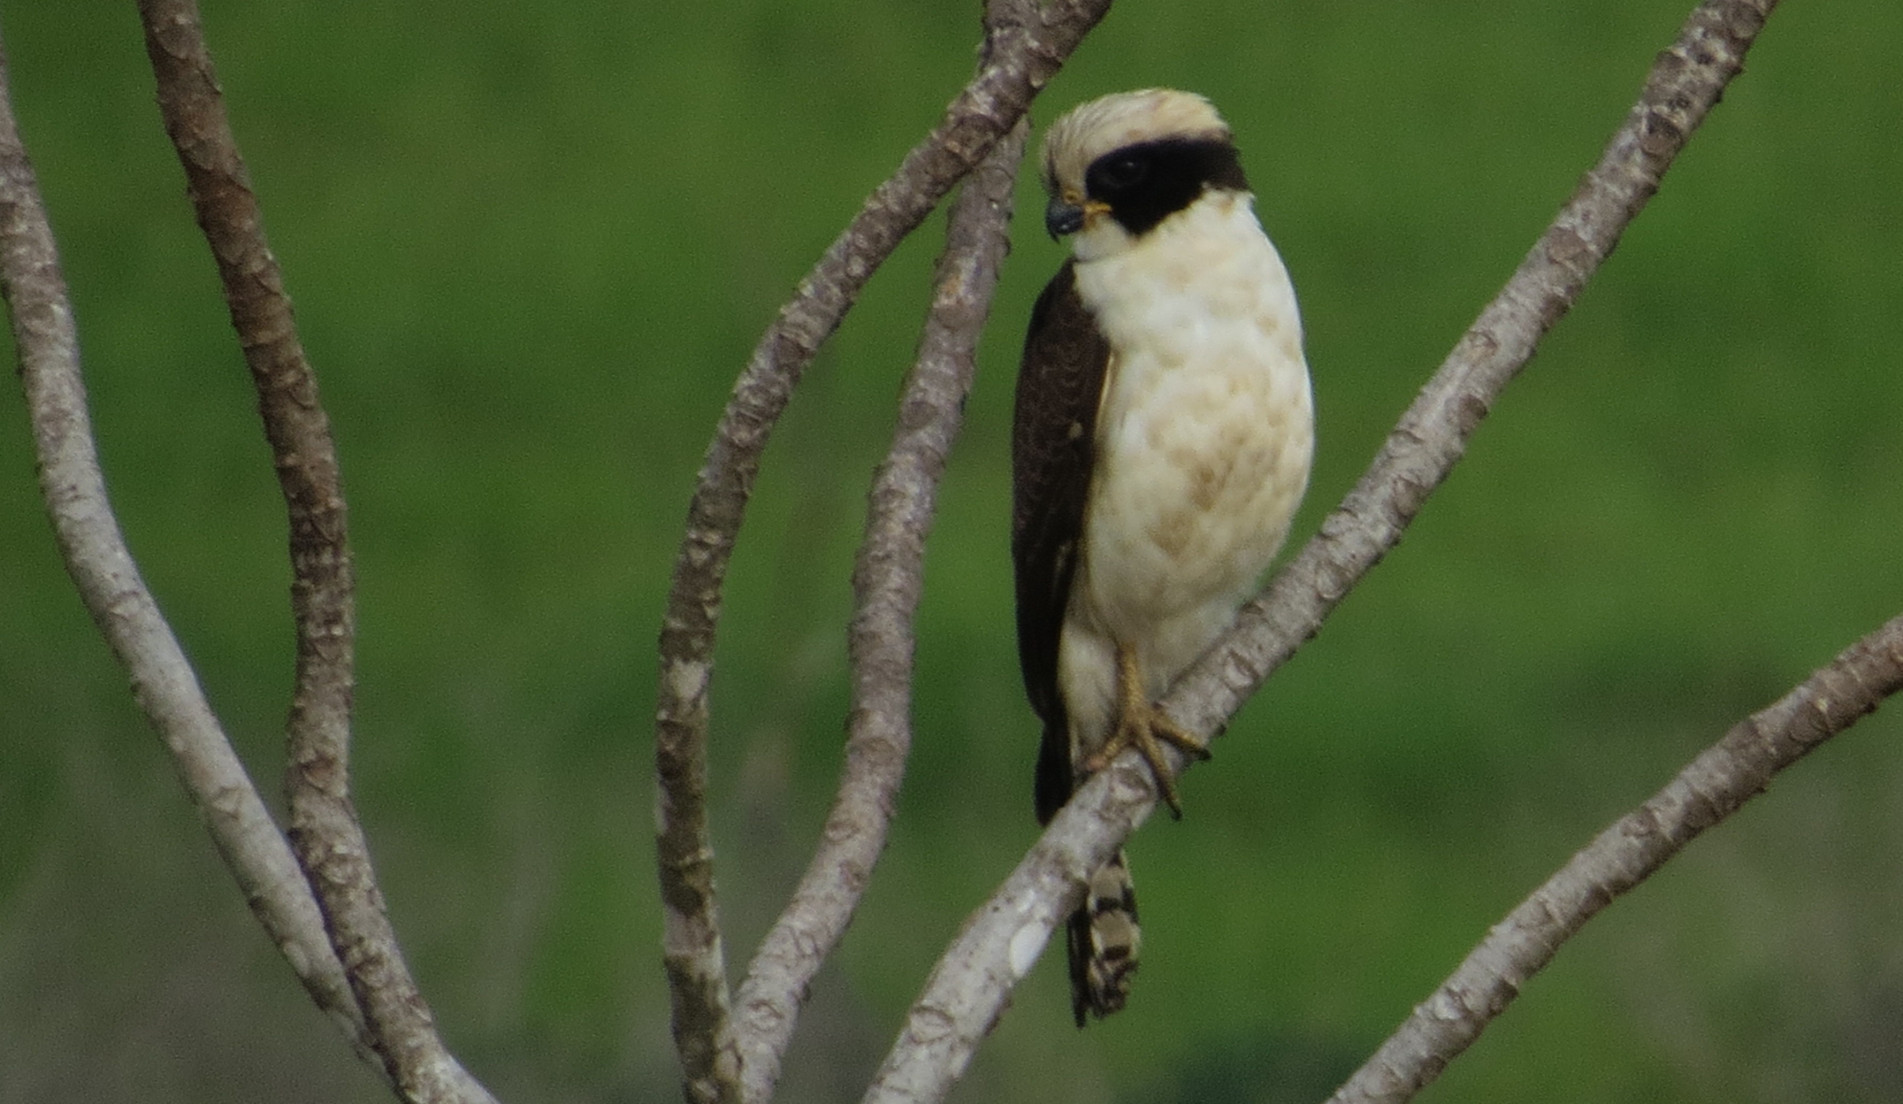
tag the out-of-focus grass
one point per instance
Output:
(530, 247)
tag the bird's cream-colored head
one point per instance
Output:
(1122, 119)
(1117, 166)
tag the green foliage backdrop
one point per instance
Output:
(531, 244)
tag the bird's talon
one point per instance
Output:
(1146, 729)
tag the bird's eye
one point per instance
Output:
(1121, 172)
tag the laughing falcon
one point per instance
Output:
(1161, 444)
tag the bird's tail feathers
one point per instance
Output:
(1103, 939)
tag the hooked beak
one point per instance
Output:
(1065, 216)
(1062, 218)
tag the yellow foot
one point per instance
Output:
(1140, 724)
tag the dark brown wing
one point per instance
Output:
(1060, 385)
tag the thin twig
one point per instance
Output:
(109, 584)
(968, 989)
(886, 581)
(324, 830)
(982, 112)
(1712, 787)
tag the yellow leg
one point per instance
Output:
(1140, 724)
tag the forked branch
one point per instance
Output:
(324, 830)
(108, 581)
(1026, 52)
(887, 582)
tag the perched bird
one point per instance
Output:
(1161, 444)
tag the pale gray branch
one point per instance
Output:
(1722, 778)
(886, 582)
(1027, 53)
(970, 986)
(968, 990)
(1685, 83)
(109, 584)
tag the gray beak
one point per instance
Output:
(1062, 218)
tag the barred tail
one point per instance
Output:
(1103, 936)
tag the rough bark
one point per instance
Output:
(102, 568)
(887, 582)
(324, 829)
(1027, 53)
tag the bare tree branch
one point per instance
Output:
(1712, 787)
(108, 581)
(324, 830)
(887, 581)
(1026, 56)
(968, 989)
(1685, 83)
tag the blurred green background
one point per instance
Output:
(531, 244)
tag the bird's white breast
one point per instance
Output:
(1203, 438)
